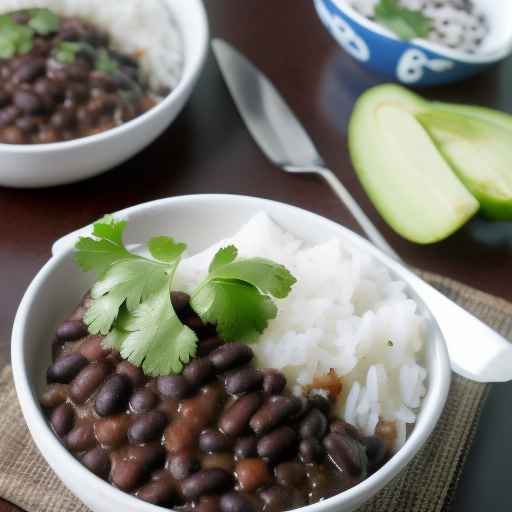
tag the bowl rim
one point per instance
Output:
(467, 58)
(47, 442)
(190, 70)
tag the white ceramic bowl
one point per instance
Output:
(199, 221)
(47, 165)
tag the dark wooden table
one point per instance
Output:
(208, 150)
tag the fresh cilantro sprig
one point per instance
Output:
(406, 23)
(236, 294)
(131, 302)
(43, 21)
(17, 38)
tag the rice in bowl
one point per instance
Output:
(347, 314)
(145, 29)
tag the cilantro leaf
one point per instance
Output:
(223, 257)
(131, 301)
(129, 280)
(233, 297)
(406, 23)
(107, 247)
(105, 63)
(165, 249)
(44, 21)
(153, 337)
(238, 309)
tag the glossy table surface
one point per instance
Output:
(208, 149)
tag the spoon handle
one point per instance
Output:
(366, 224)
(476, 351)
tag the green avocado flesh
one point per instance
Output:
(401, 169)
(478, 146)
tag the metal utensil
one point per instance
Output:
(476, 351)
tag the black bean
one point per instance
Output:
(113, 395)
(29, 71)
(346, 454)
(49, 135)
(276, 497)
(81, 438)
(273, 412)
(46, 88)
(149, 455)
(246, 447)
(158, 492)
(179, 301)
(86, 118)
(86, 382)
(206, 481)
(27, 124)
(103, 81)
(64, 118)
(143, 400)
(278, 445)
(28, 102)
(243, 380)
(236, 502)
(311, 450)
(5, 99)
(147, 427)
(199, 371)
(63, 419)
(134, 373)
(182, 465)
(112, 431)
(214, 441)
(321, 403)
(97, 461)
(342, 427)
(72, 330)
(176, 387)
(77, 93)
(208, 345)
(236, 418)
(127, 474)
(291, 474)
(8, 115)
(13, 135)
(66, 368)
(376, 452)
(207, 504)
(78, 70)
(230, 355)
(54, 395)
(314, 424)
(273, 381)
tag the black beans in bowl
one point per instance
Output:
(60, 79)
(222, 436)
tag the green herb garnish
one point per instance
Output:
(105, 63)
(14, 39)
(236, 294)
(43, 21)
(131, 300)
(406, 23)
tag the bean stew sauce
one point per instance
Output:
(61, 80)
(221, 436)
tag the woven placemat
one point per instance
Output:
(427, 485)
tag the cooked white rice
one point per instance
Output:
(346, 312)
(146, 28)
(457, 24)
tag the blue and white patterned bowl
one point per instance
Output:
(417, 62)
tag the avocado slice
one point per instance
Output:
(479, 149)
(401, 169)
